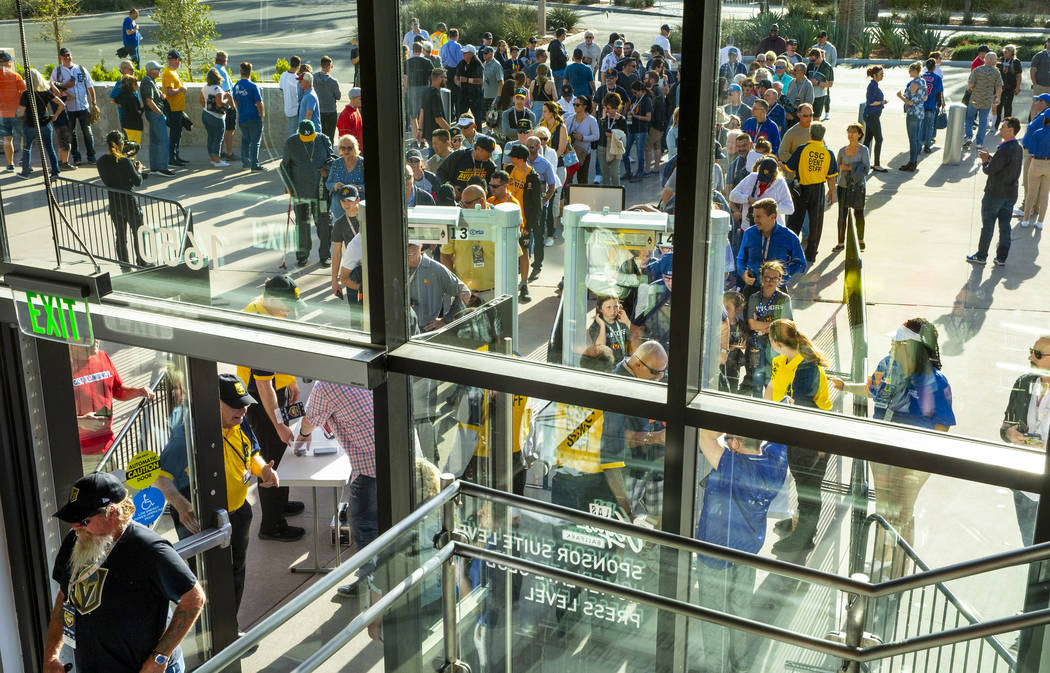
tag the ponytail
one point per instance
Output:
(786, 332)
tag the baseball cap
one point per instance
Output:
(524, 126)
(89, 494)
(734, 87)
(618, 43)
(793, 41)
(522, 91)
(469, 49)
(532, 40)
(465, 121)
(354, 92)
(983, 48)
(665, 27)
(308, 76)
(611, 72)
(5, 57)
(307, 130)
(232, 392)
(284, 288)
(454, 133)
(348, 193)
(485, 143)
(152, 65)
(487, 50)
(767, 170)
(519, 152)
(413, 155)
(766, 83)
(822, 33)
(486, 35)
(171, 54)
(64, 51)
(1045, 97)
(774, 27)
(566, 88)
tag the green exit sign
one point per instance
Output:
(54, 318)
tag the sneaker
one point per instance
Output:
(257, 168)
(1025, 223)
(968, 144)
(293, 507)
(178, 162)
(351, 590)
(283, 534)
(66, 166)
(1018, 212)
(998, 262)
(1038, 224)
(220, 164)
(927, 149)
(22, 175)
(91, 160)
(10, 167)
(548, 242)
(974, 259)
(535, 274)
(166, 172)
(878, 169)
(796, 542)
(523, 293)
(827, 116)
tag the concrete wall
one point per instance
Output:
(275, 127)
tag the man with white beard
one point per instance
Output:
(116, 580)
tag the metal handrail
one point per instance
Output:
(331, 580)
(1038, 552)
(124, 429)
(950, 596)
(207, 539)
(452, 546)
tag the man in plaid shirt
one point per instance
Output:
(347, 413)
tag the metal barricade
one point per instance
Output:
(145, 430)
(89, 207)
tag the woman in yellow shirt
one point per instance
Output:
(798, 378)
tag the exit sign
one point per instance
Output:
(54, 318)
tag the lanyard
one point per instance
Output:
(765, 245)
(243, 453)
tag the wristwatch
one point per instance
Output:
(160, 658)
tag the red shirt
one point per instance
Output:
(349, 122)
(977, 63)
(94, 385)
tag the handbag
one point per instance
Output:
(122, 52)
(570, 158)
(855, 194)
(941, 121)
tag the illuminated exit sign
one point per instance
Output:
(55, 318)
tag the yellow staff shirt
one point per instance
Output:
(808, 388)
(242, 460)
(169, 79)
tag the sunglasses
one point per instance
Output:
(1038, 355)
(654, 372)
(577, 104)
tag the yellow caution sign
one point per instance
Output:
(143, 469)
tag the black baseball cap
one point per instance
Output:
(284, 289)
(174, 54)
(532, 40)
(665, 27)
(413, 155)
(486, 36)
(64, 51)
(767, 170)
(485, 143)
(90, 494)
(233, 393)
(519, 152)
(348, 193)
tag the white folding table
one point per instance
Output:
(324, 471)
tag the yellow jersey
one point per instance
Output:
(241, 457)
(807, 386)
(169, 79)
(247, 374)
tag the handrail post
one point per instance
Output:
(448, 585)
(856, 619)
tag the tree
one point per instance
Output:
(53, 17)
(186, 26)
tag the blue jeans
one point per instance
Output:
(158, 141)
(929, 126)
(293, 125)
(251, 136)
(633, 140)
(914, 126)
(1026, 510)
(133, 53)
(28, 136)
(995, 208)
(364, 516)
(216, 128)
(982, 123)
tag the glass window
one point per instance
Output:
(898, 318)
(546, 158)
(229, 190)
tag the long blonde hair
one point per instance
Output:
(786, 332)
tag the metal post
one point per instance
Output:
(860, 114)
(856, 617)
(953, 135)
(448, 583)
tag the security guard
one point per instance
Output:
(815, 165)
(280, 298)
(242, 461)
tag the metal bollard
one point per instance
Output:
(954, 135)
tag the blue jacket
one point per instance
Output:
(783, 246)
(1037, 136)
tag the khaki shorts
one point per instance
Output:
(652, 142)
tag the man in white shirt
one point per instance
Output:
(289, 84)
(664, 43)
(723, 53)
(413, 31)
(592, 53)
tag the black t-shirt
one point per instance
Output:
(472, 71)
(432, 109)
(344, 229)
(417, 71)
(641, 106)
(43, 110)
(559, 59)
(130, 111)
(603, 91)
(460, 166)
(122, 608)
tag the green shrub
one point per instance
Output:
(801, 8)
(922, 37)
(996, 18)
(967, 18)
(938, 17)
(280, 67)
(675, 38)
(99, 73)
(864, 44)
(968, 52)
(1022, 20)
(562, 17)
(890, 38)
(512, 23)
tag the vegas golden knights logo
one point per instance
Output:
(86, 596)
